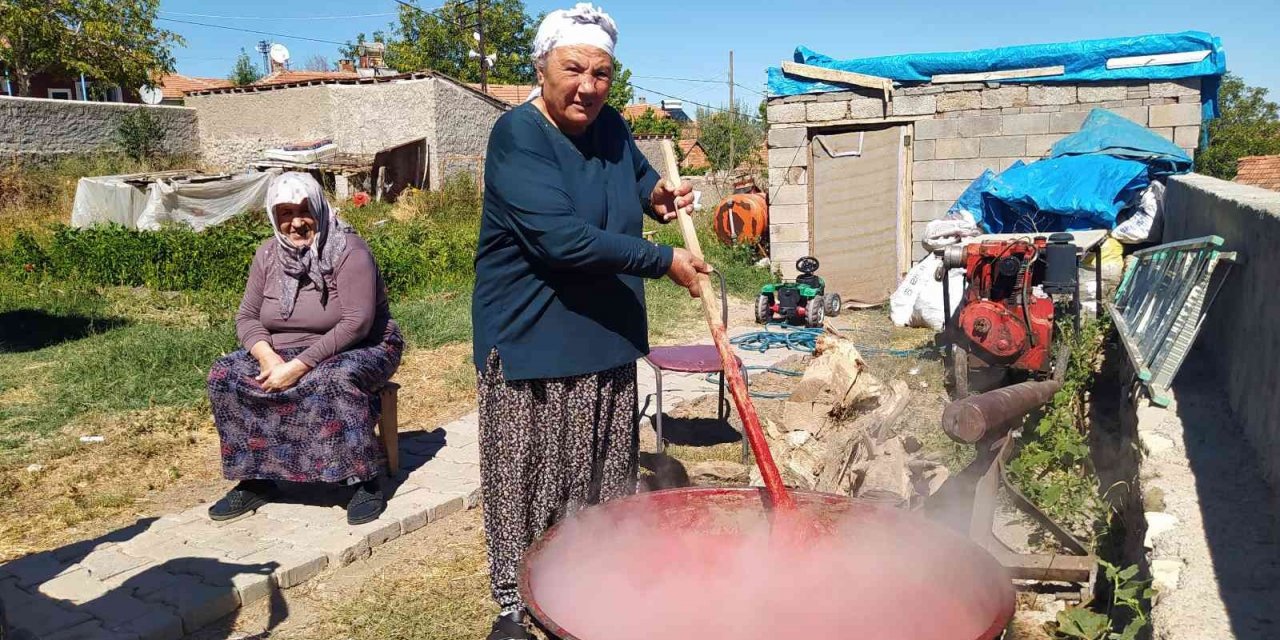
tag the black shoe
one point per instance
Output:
(367, 504)
(247, 496)
(508, 626)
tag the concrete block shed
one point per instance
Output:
(362, 116)
(864, 153)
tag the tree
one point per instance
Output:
(140, 134)
(114, 41)
(719, 126)
(620, 92)
(440, 40)
(1249, 126)
(316, 62)
(244, 72)
(650, 124)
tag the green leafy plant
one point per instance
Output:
(244, 72)
(140, 134)
(1127, 607)
(1052, 467)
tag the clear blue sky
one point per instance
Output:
(692, 39)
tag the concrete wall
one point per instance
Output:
(236, 127)
(960, 130)
(37, 127)
(463, 123)
(361, 119)
(1241, 337)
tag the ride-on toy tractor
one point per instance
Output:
(803, 302)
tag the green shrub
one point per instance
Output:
(171, 259)
(140, 134)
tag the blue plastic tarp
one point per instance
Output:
(1107, 133)
(1084, 61)
(1070, 193)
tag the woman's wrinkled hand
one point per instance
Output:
(282, 376)
(685, 268)
(667, 201)
(269, 361)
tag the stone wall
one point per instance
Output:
(463, 122)
(360, 118)
(42, 128)
(960, 130)
(1241, 337)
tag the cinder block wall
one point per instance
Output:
(960, 131)
(42, 128)
(1241, 336)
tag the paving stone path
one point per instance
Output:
(165, 577)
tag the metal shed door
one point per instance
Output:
(856, 211)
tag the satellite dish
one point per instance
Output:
(279, 53)
(151, 95)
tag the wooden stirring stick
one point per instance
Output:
(732, 372)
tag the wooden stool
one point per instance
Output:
(389, 427)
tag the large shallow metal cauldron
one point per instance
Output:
(701, 564)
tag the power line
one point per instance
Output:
(741, 86)
(707, 80)
(217, 17)
(705, 106)
(263, 33)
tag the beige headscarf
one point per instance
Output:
(313, 262)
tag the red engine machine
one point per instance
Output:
(1007, 311)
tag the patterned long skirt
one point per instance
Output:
(320, 430)
(547, 448)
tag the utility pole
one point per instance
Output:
(733, 116)
(484, 59)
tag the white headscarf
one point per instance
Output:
(313, 262)
(584, 24)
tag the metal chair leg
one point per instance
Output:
(657, 418)
(722, 410)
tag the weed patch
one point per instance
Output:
(1052, 467)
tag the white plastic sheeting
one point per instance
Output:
(109, 199)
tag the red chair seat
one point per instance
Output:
(694, 358)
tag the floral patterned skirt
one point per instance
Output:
(319, 430)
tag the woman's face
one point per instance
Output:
(575, 83)
(296, 223)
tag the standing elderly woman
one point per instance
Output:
(299, 401)
(559, 311)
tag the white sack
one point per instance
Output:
(1147, 221)
(949, 230)
(918, 300)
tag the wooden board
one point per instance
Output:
(857, 221)
(840, 77)
(993, 76)
(1157, 60)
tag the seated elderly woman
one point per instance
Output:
(299, 401)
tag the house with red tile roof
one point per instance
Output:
(512, 94)
(1259, 171)
(174, 86)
